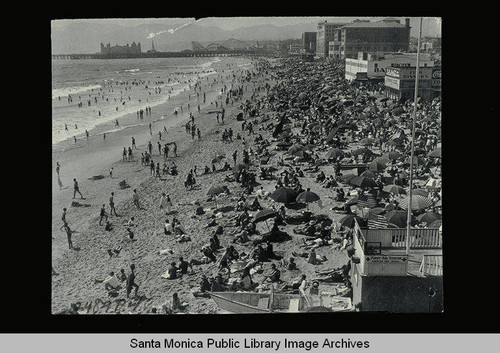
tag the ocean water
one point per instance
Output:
(88, 93)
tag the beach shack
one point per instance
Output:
(385, 278)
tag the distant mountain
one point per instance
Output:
(84, 37)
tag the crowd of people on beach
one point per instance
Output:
(297, 119)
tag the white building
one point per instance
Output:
(295, 49)
(373, 65)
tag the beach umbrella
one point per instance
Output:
(347, 177)
(416, 160)
(436, 153)
(362, 181)
(300, 154)
(398, 218)
(307, 196)
(417, 202)
(362, 150)
(352, 201)
(397, 111)
(394, 189)
(382, 159)
(420, 192)
(376, 166)
(392, 155)
(436, 224)
(377, 210)
(367, 141)
(283, 144)
(429, 217)
(309, 147)
(216, 190)
(264, 215)
(334, 153)
(295, 148)
(369, 174)
(393, 142)
(283, 195)
(348, 220)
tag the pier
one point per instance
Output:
(182, 54)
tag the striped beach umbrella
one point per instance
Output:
(418, 202)
(420, 192)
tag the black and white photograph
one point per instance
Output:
(246, 165)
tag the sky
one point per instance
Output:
(231, 23)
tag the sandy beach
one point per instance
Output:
(77, 270)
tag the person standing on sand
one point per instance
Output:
(135, 198)
(63, 217)
(150, 131)
(111, 172)
(103, 214)
(124, 154)
(159, 148)
(235, 153)
(112, 204)
(76, 189)
(165, 203)
(58, 168)
(104, 137)
(133, 143)
(87, 134)
(69, 232)
(131, 281)
(130, 156)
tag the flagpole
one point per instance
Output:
(415, 98)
